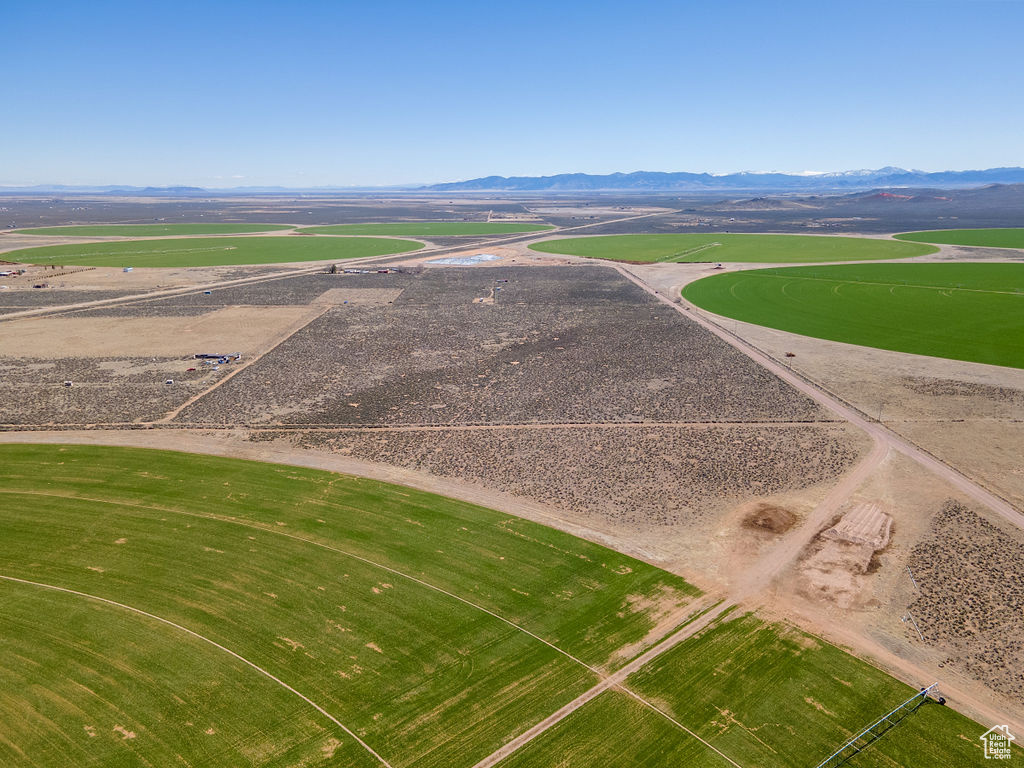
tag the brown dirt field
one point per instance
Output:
(334, 296)
(969, 415)
(987, 450)
(616, 474)
(113, 278)
(831, 569)
(672, 492)
(228, 330)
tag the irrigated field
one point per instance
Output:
(208, 252)
(429, 228)
(151, 230)
(714, 247)
(171, 608)
(971, 312)
(762, 694)
(988, 238)
(379, 603)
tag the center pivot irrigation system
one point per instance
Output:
(881, 726)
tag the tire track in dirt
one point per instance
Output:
(540, 425)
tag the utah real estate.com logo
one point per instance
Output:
(997, 740)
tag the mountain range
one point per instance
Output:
(653, 181)
(638, 181)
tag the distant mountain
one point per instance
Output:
(182, 191)
(640, 181)
(746, 182)
(170, 191)
(109, 189)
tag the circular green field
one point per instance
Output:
(714, 247)
(380, 603)
(151, 230)
(428, 228)
(209, 252)
(971, 312)
(989, 238)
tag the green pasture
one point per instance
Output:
(769, 695)
(428, 228)
(715, 247)
(972, 312)
(764, 695)
(615, 731)
(87, 684)
(989, 238)
(209, 252)
(151, 230)
(381, 603)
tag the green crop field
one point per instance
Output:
(971, 312)
(377, 602)
(615, 731)
(428, 228)
(151, 230)
(209, 252)
(770, 695)
(714, 247)
(990, 238)
(763, 695)
(167, 608)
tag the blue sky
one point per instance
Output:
(343, 93)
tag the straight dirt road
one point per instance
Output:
(617, 680)
(875, 430)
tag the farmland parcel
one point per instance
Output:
(151, 230)
(206, 252)
(731, 247)
(962, 311)
(988, 238)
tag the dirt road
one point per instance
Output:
(305, 268)
(616, 680)
(875, 430)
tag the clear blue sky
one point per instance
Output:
(315, 93)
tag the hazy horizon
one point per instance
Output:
(326, 94)
(415, 185)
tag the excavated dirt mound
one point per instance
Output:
(770, 518)
(836, 567)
